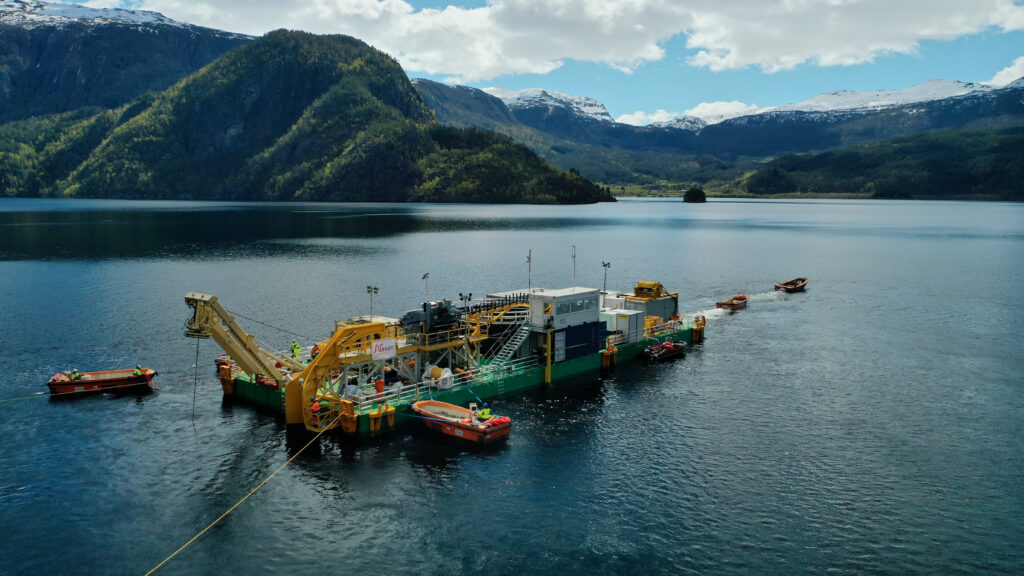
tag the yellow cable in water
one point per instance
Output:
(239, 503)
(86, 392)
(37, 395)
(59, 394)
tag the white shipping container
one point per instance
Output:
(630, 323)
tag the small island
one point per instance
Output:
(695, 195)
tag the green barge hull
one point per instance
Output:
(272, 398)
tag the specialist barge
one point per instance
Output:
(374, 368)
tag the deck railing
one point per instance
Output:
(654, 331)
(425, 389)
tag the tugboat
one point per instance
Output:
(75, 382)
(665, 351)
(463, 423)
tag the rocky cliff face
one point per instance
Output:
(60, 64)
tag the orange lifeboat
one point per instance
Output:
(462, 423)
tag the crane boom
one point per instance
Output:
(211, 319)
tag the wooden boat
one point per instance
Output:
(462, 423)
(667, 350)
(794, 285)
(65, 383)
(734, 303)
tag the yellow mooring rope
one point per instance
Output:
(36, 395)
(86, 392)
(91, 392)
(239, 503)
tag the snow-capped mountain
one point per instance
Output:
(61, 57)
(842, 102)
(537, 97)
(847, 102)
(688, 123)
(30, 14)
(878, 99)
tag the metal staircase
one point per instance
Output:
(510, 346)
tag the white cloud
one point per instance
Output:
(1008, 74)
(710, 112)
(641, 118)
(538, 36)
(717, 111)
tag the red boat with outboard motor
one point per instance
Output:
(667, 350)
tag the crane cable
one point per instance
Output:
(195, 387)
(244, 498)
(303, 336)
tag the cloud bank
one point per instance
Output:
(537, 36)
(1008, 74)
(641, 118)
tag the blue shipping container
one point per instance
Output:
(584, 339)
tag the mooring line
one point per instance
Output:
(246, 497)
(90, 392)
(37, 395)
(82, 392)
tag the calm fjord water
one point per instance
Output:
(872, 425)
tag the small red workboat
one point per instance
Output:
(74, 382)
(462, 423)
(667, 350)
(794, 285)
(734, 303)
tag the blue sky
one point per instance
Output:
(651, 59)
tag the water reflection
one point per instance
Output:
(179, 233)
(71, 229)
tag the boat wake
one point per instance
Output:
(718, 313)
(766, 296)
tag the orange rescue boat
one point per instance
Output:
(462, 423)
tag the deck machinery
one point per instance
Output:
(373, 368)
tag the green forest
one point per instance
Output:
(290, 116)
(947, 165)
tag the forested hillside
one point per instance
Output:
(948, 165)
(290, 116)
(55, 68)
